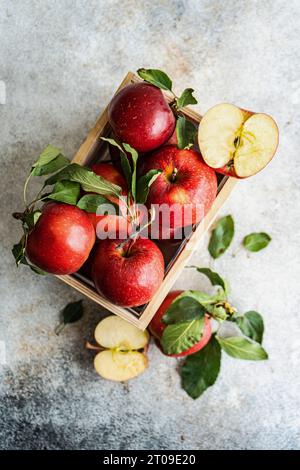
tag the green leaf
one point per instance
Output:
(47, 155)
(156, 77)
(89, 181)
(51, 167)
(214, 277)
(252, 325)
(134, 155)
(91, 203)
(205, 299)
(65, 191)
(183, 308)
(143, 185)
(124, 160)
(179, 337)
(18, 251)
(185, 132)
(36, 270)
(256, 241)
(186, 98)
(70, 314)
(200, 370)
(221, 236)
(242, 348)
(31, 218)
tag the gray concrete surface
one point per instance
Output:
(60, 62)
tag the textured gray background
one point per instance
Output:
(61, 61)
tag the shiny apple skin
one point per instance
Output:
(195, 183)
(128, 276)
(62, 239)
(140, 116)
(157, 327)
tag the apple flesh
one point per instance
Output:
(122, 358)
(157, 326)
(128, 273)
(140, 116)
(187, 186)
(237, 142)
(61, 240)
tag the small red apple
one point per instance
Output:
(128, 273)
(237, 142)
(112, 226)
(187, 186)
(140, 116)
(62, 239)
(157, 327)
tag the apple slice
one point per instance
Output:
(237, 142)
(122, 358)
(120, 366)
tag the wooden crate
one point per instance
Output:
(141, 317)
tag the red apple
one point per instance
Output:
(112, 226)
(62, 239)
(140, 116)
(237, 142)
(129, 273)
(157, 326)
(187, 186)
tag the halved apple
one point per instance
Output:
(237, 142)
(124, 356)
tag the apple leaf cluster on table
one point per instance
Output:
(156, 161)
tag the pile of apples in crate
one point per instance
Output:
(100, 219)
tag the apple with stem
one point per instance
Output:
(123, 349)
(140, 116)
(186, 185)
(157, 326)
(128, 272)
(237, 142)
(61, 240)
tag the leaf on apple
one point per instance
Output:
(185, 132)
(241, 347)
(156, 77)
(92, 202)
(31, 218)
(221, 236)
(89, 181)
(127, 171)
(65, 191)
(179, 337)
(134, 155)
(49, 161)
(252, 325)
(256, 241)
(186, 98)
(144, 183)
(200, 370)
(183, 308)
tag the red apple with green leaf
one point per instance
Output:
(140, 116)
(186, 185)
(61, 240)
(128, 273)
(236, 142)
(157, 326)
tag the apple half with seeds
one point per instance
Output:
(124, 357)
(236, 142)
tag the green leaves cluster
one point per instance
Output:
(185, 326)
(185, 129)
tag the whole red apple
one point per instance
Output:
(61, 240)
(141, 117)
(186, 186)
(157, 327)
(129, 273)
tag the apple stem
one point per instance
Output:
(93, 347)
